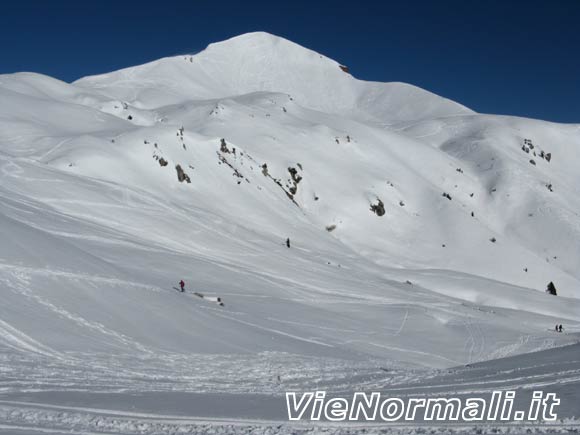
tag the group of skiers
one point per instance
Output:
(559, 328)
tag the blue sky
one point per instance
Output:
(515, 57)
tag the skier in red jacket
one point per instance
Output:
(182, 285)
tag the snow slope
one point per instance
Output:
(234, 412)
(276, 142)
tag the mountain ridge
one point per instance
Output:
(263, 62)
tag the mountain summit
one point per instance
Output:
(258, 62)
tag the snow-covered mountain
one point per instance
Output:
(259, 62)
(421, 233)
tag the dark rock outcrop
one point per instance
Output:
(181, 175)
(378, 208)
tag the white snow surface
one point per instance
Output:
(95, 234)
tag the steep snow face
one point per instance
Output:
(416, 237)
(262, 62)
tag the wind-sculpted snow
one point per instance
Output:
(358, 234)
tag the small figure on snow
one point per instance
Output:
(560, 329)
(551, 289)
(288, 242)
(182, 286)
(557, 327)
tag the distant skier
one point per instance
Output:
(560, 329)
(288, 242)
(182, 286)
(557, 328)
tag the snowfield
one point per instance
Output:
(422, 237)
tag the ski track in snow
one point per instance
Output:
(275, 331)
(93, 421)
(15, 339)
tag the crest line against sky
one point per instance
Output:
(515, 57)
